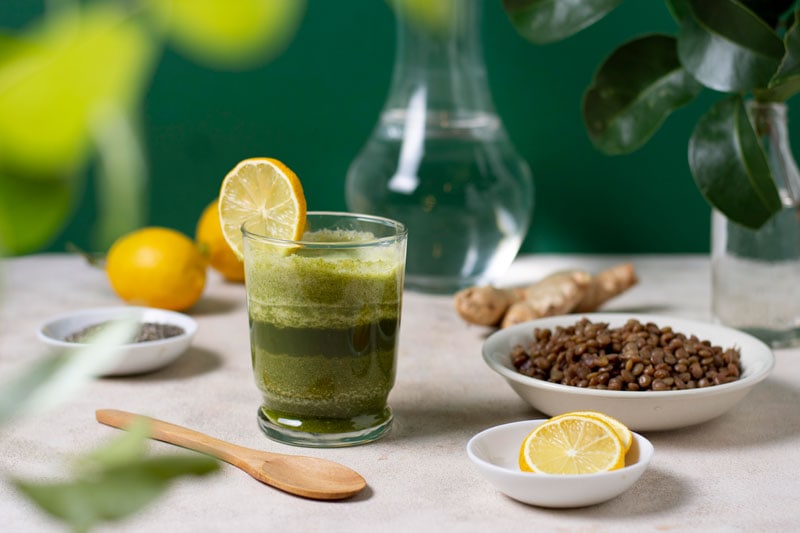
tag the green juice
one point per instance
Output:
(323, 327)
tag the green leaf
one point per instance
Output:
(679, 9)
(770, 11)
(121, 175)
(634, 90)
(232, 34)
(786, 82)
(53, 79)
(33, 209)
(727, 47)
(729, 165)
(546, 21)
(115, 493)
(53, 379)
(127, 447)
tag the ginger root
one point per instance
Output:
(559, 293)
(556, 294)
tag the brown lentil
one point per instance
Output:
(634, 357)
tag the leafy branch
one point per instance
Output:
(748, 49)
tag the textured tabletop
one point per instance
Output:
(737, 473)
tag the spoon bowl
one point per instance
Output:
(309, 477)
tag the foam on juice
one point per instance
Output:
(351, 280)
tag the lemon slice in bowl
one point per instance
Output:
(266, 195)
(572, 444)
(622, 431)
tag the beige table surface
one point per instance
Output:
(740, 472)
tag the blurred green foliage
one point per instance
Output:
(314, 104)
(72, 83)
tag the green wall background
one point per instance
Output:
(315, 105)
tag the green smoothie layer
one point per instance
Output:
(287, 289)
(323, 328)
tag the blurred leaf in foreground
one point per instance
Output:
(231, 34)
(114, 481)
(56, 78)
(55, 378)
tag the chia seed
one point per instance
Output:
(147, 331)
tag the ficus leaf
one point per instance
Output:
(786, 82)
(770, 11)
(634, 90)
(729, 165)
(546, 21)
(726, 47)
(679, 9)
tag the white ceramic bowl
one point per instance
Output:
(640, 410)
(133, 358)
(495, 453)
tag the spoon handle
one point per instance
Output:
(174, 434)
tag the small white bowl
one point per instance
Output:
(495, 453)
(639, 410)
(134, 357)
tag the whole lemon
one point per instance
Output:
(214, 246)
(157, 267)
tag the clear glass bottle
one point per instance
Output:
(756, 273)
(440, 160)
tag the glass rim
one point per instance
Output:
(400, 232)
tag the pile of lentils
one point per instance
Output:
(634, 357)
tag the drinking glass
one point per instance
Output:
(324, 315)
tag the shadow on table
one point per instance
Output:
(194, 362)
(657, 492)
(767, 414)
(462, 419)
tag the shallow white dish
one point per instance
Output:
(133, 358)
(641, 410)
(495, 453)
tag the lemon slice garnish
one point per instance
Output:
(267, 196)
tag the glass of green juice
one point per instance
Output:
(324, 315)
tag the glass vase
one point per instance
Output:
(439, 159)
(756, 273)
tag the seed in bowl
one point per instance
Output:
(147, 331)
(634, 357)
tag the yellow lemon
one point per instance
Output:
(267, 196)
(622, 431)
(157, 267)
(214, 246)
(572, 444)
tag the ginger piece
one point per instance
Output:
(559, 293)
(485, 305)
(607, 284)
(556, 294)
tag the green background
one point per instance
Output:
(315, 104)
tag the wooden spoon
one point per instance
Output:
(309, 477)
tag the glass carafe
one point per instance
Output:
(440, 160)
(756, 273)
